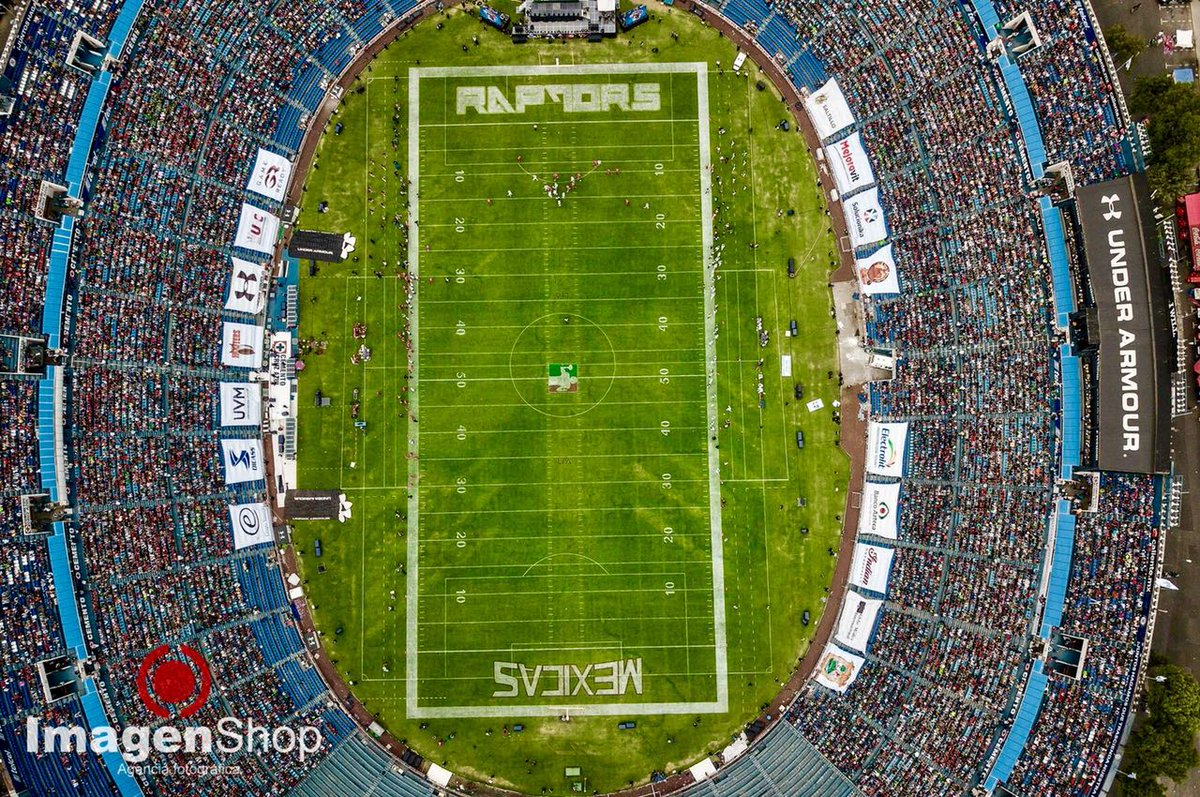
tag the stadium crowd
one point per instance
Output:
(975, 377)
(164, 190)
(972, 332)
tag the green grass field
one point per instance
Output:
(558, 505)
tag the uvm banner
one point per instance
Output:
(838, 668)
(850, 165)
(886, 444)
(257, 230)
(241, 345)
(877, 272)
(857, 621)
(871, 567)
(241, 404)
(864, 218)
(880, 510)
(251, 525)
(270, 176)
(243, 460)
(247, 287)
(828, 110)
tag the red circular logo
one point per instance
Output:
(176, 683)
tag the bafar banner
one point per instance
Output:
(877, 272)
(828, 110)
(871, 567)
(243, 460)
(241, 404)
(886, 444)
(838, 668)
(247, 287)
(257, 230)
(857, 621)
(865, 221)
(270, 176)
(880, 510)
(251, 525)
(851, 167)
(241, 345)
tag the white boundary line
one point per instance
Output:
(721, 705)
(710, 356)
(414, 465)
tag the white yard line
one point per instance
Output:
(539, 224)
(540, 379)
(651, 479)
(588, 430)
(622, 455)
(658, 403)
(554, 510)
(564, 122)
(608, 299)
(544, 70)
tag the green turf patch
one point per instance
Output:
(520, 551)
(552, 534)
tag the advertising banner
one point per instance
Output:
(864, 218)
(1132, 312)
(241, 345)
(871, 567)
(838, 668)
(828, 110)
(248, 286)
(851, 167)
(243, 460)
(877, 272)
(251, 525)
(886, 448)
(241, 404)
(857, 621)
(257, 230)
(270, 176)
(880, 510)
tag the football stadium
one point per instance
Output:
(721, 398)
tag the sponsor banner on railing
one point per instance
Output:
(241, 345)
(886, 448)
(270, 176)
(247, 287)
(838, 668)
(871, 567)
(850, 164)
(857, 621)
(828, 110)
(257, 230)
(243, 460)
(880, 509)
(251, 525)
(877, 272)
(865, 221)
(241, 404)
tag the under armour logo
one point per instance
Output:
(249, 288)
(1111, 201)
